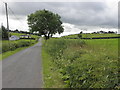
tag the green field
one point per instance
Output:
(91, 35)
(80, 63)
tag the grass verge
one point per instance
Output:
(51, 75)
(9, 53)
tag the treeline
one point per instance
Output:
(93, 35)
(24, 32)
(109, 32)
(102, 32)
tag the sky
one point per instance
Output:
(76, 15)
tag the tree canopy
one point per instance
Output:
(45, 23)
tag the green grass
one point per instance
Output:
(51, 75)
(12, 45)
(83, 64)
(21, 44)
(9, 53)
(91, 35)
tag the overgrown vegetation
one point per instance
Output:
(51, 75)
(85, 64)
(12, 45)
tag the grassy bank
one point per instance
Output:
(11, 47)
(9, 53)
(51, 75)
(81, 64)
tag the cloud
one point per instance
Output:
(73, 14)
(78, 13)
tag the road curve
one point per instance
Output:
(23, 69)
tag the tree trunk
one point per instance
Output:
(47, 37)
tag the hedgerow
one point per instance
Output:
(12, 45)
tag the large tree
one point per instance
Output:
(45, 23)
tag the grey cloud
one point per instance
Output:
(77, 13)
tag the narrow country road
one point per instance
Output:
(23, 69)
